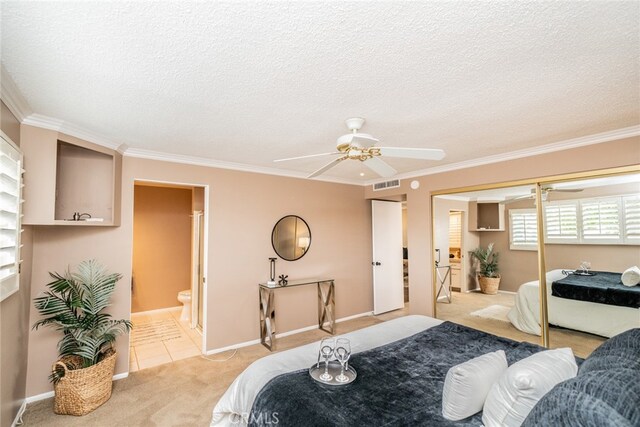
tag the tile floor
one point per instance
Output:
(181, 343)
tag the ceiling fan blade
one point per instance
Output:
(413, 153)
(306, 157)
(328, 166)
(566, 190)
(516, 199)
(380, 167)
(363, 139)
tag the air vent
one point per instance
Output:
(386, 185)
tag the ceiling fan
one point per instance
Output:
(545, 194)
(361, 146)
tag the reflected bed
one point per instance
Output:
(595, 318)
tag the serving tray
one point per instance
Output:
(334, 370)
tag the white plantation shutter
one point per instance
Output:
(10, 200)
(523, 227)
(631, 216)
(455, 229)
(601, 219)
(561, 222)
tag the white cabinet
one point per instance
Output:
(456, 278)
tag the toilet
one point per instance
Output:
(185, 298)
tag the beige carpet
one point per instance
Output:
(182, 393)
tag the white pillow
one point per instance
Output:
(631, 276)
(524, 383)
(466, 385)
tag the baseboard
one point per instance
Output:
(19, 414)
(159, 310)
(50, 394)
(39, 397)
(284, 334)
(507, 292)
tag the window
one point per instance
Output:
(610, 220)
(601, 220)
(523, 226)
(561, 222)
(631, 215)
(10, 200)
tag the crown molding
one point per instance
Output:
(582, 141)
(454, 197)
(202, 161)
(46, 122)
(12, 97)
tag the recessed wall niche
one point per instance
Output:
(84, 183)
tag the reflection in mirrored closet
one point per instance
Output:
(591, 235)
(479, 269)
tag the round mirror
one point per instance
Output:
(291, 238)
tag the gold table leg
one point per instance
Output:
(326, 306)
(267, 318)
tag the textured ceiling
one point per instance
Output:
(253, 82)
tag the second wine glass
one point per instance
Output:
(342, 353)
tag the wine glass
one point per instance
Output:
(327, 346)
(342, 352)
(585, 266)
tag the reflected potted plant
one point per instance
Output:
(488, 274)
(74, 305)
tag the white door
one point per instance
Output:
(388, 293)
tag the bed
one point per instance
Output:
(600, 319)
(406, 357)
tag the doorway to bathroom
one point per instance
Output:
(168, 289)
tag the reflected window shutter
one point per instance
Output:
(632, 218)
(561, 222)
(455, 230)
(524, 231)
(601, 219)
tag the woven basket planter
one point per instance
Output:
(489, 285)
(80, 391)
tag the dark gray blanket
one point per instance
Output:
(603, 288)
(398, 384)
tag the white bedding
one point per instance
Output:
(600, 319)
(235, 405)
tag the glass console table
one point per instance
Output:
(326, 307)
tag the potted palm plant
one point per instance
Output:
(73, 305)
(488, 275)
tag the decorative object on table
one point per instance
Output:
(333, 372)
(73, 305)
(283, 280)
(291, 238)
(488, 275)
(272, 272)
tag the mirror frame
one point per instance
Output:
(274, 230)
(538, 182)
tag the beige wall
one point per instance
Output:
(14, 314)
(242, 210)
(518, 266)
(161, 246)
(625, 152)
